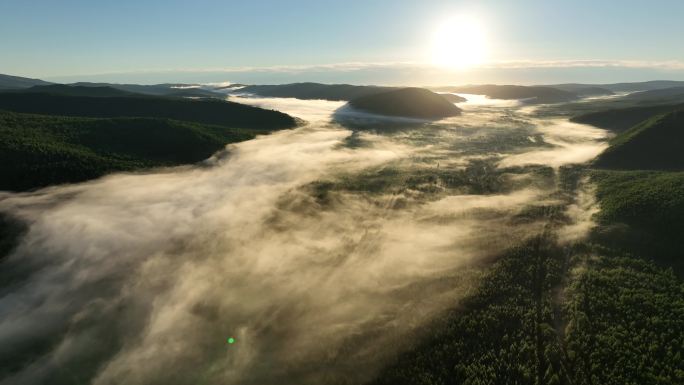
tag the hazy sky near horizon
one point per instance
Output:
(381, 41)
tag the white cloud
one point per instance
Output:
(358, 66)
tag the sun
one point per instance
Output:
(458, 43)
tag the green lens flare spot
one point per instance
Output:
(231, 340)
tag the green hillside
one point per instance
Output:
(338, 92)
(548, 315)
(535, 94)
(592, 91)
(166, 89)
(655, 144)
(407, 102)
(619, 87)
(39, 150)
(639, 187)
(104, 89)
(17, 82)
(335, 92)
(664, 95)
(204, 111)
(642, 213)
(621, 119)
(70, 90)
(453, 98)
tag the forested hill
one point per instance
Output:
(69, 90)
(621, 119)
(640, 184)
(307, 91)
(619, 87)
(335, 92)
(663, 95)
(166, 89)
(656, 144)
(407, 102)
(204, 111)
(534, 94)
(41, 150)
(61, 133)
(17, 82)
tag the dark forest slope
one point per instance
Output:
(200, 111)
(70, 90)
(656, 144)
(18, 82)
(339, 92)
(166, 89)
(407, 102)
(40, 150)
(621, 119)
(535, 94)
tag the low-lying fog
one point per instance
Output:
(320, 250)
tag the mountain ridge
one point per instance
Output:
(655, 144)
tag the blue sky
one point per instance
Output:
(382, 41)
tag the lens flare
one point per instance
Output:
(459, 43)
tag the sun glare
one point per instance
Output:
(458, 43)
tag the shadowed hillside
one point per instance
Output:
(407, 102)
(181, 90)
(18, 82)
(665, 95)
(39, 150)
(201, 111)
(310, 91)
(655, 144)
(641, 198)
(591, 91)
(453, 98)
(536, 94)
(70, 90)
(334, 92)
(621, 119)
(618, 87)
(642, 213)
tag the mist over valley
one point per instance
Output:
(411, 192)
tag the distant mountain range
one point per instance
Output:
(552, 93)
(555, 93)
(335, 92)
(662, 95)
(408, 102)
(620, 87)
(57, 133)
(103, 104)
(532, 94)
(622, 119)
(71, 90)
(590, 91)
(168, 89)
(559, 93)
(308, 91)
(9, 82)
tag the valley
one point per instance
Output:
(492, 246)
